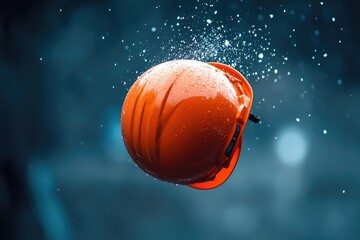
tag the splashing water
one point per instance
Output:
(205, 38)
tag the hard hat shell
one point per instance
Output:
(182, 121)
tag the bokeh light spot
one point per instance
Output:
(291, 147)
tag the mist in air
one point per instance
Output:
(65, 69)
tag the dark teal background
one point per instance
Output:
(65, 173)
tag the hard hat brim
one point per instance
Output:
(223, 174)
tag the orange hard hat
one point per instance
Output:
(182, 121)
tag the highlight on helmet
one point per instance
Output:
(182, 121)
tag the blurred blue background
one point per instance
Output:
(66, 66)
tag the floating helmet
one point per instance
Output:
(182, 121)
